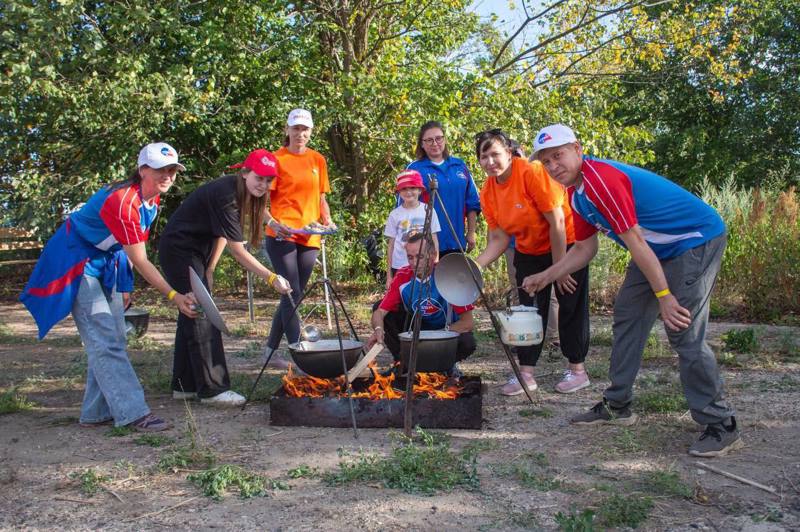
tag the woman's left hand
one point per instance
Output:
(281, 285)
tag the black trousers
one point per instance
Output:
(198, 363)
(573, 311)
(394, 323)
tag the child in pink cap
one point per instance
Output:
(406, 220)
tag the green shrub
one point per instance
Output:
(740, 341)
(90, 481)
(11, 402)
(216, 482)
(575, 522)
(667, 482)
(624, 510)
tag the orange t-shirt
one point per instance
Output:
(294, 199)
(516, 206)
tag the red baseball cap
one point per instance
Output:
(261, 161)
(409, 179)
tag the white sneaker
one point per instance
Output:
(229, 398)
(183, 395)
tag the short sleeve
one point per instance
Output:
(612, 192)
(121, 215)
(223, 212)
(388, 229)
(324, 182)
(393, 300)
(435, 227)
(487, 205)
(546, 193)
(583, 229)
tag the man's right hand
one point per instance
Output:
(375, 338)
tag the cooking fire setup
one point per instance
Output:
(340, 384)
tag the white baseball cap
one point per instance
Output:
(553, 136)
(159, 155)
(299, 117)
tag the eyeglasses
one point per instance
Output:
(497, 132)
(434, 140)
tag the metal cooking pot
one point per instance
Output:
(322, 358)
(136, 322)
(436, 350)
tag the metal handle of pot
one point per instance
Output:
(508, 299)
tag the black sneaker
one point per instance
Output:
(717, 440)
(603, 413)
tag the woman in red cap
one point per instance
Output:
(216, 214)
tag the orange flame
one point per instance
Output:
(432, 385)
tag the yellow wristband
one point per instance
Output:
(664, 292)
(172, 294)
(272, 278)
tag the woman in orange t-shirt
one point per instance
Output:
(297, 200)
(520, 199)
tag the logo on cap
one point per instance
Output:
(166, 152)
(544, 137)
(266, 162)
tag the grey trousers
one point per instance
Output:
(690, 277)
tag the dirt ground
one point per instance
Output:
(531, 463)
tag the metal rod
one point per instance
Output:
(325, 275)
(250, 306)
(347, 385)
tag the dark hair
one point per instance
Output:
(429, 246)
(134, 178)
(420, 151)
(484, 139)
(516, 149)
(251, 210)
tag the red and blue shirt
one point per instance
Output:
(614, 197)
(412, 293)
(87, 243)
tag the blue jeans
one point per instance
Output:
(112, 387)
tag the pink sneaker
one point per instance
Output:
(513, 387)
(572, 381)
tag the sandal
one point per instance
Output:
(149, 423)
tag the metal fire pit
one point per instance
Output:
(464, 412)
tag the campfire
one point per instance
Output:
(428, 385)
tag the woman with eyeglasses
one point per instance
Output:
(520, 199)
(457, 190)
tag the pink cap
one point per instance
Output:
(409, 179)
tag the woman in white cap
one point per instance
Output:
(69, 277)
(215, 215)
(298, 200)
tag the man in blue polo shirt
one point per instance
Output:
(676, 242)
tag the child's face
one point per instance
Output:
(409, 194)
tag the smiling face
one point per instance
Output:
(495, 158)
(157, 181)
(410, 195)
(433, 143)
(256, 185)
(299, 136)
(563, 163)
(426, 258)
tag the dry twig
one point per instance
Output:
(743, 480)
(161, 511)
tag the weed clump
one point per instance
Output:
(89, 480)
(741, 341)
(624, 510)
(12, 401)
(216, 482)
(425, 468)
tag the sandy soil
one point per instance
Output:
(43, 447)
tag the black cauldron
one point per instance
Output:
(436, 350)
(322, 358)
(136, 322)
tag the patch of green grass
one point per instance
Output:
(245, 329)
(218, 481)
(740, 340)
(624, 510)
(731, 360)
(427, 468)
(118, 432)
(303, 471)
(668, 483)
(575, 522)
(479, 446)
(89, 480)
(536, 412)
(184, 457)
(626, 441)
(243, 382)
(771, 514)
(531, 471)
(602, 337)
(12, 401)
(597, 369)
(153, 440)
(655, 347)
(145, 343)
(251, 350)
(661, 401)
